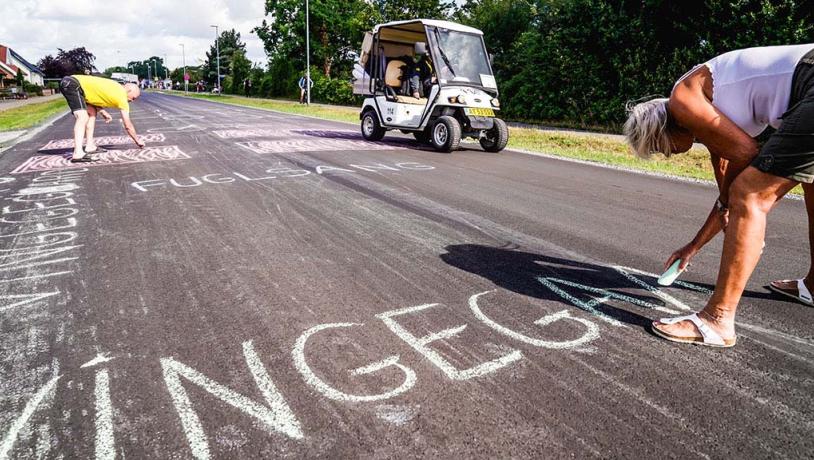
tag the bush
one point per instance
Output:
(31, 88)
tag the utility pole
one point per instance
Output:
(217, 50)
(166, 69)
(184, 61)
(307, 55)
(155, 72)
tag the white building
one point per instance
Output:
(10, 61)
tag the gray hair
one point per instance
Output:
(646, 128)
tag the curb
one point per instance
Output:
(31, 132)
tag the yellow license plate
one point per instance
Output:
(480, 112)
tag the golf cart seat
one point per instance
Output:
(396, 86)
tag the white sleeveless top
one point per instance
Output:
(753, 86)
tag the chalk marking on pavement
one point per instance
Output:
(111, 157)
(14, 430)
(590, 306)
(105, 445)
(60, 144)
(420, 345)
(298, 355)
(99, 359)
(592, 332)
(270, 416)
(27, 299)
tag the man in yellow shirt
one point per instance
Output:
(88, 95)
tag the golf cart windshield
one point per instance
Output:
(461, 58)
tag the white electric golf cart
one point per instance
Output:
(457, 93)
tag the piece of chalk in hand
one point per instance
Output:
(671, 274)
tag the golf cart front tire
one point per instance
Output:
(445, 135)
(371, 129)
(496, 138)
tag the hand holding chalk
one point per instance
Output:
(671, 274)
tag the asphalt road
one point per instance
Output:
(259, 285)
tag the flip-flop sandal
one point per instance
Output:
(709, 337)
(803, 295)
(98, 150)
(85, 159)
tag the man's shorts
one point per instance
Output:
(789, 152)
(72, 90)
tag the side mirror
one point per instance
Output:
(421, 48)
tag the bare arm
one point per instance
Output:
(131, 130)
(690, 106)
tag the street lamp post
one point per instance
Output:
(166, 69)
(155, 72)
(217, 50)
(307, 56)
(184, 62)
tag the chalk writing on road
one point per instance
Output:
(104, 141)
(38, 245)
(315, 145)
(275, 173)
(111, 157)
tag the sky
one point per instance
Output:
(119, 31)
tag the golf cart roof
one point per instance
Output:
(420, 23)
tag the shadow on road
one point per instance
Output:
(521, 272)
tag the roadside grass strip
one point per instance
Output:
(595, 148)
(30, 115)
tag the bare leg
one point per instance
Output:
(90, 127)
(790, 286)
(79, 132)
(752, 196)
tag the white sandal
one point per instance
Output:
(708, 338)
(803, 294)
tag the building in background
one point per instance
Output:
(10, 62)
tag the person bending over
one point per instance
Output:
(88, 95)
(725, 104)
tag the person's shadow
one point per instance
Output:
(558, 280)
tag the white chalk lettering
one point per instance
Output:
(591, 333)
(47, 197)
(415, 166)
(33, 255)
(249, 179)
(39, 190)
(61, 212)
(210, 178)
(18, 300)
(195, 183)
(38, 207)
(323, 169)
(276, 415)
(42, 241)
(289, 172)
(374, 168)
(19, 424)
(420, 345)
(298, 354)
(140, 185)
(105, 442)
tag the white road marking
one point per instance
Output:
(591, 334)
(420, 345)
(298, 354)
(21, 421)
(105, 445)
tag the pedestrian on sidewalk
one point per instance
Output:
(725, 104)
(88, 96)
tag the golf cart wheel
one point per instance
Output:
(423, 137)
(445, 134)
(496, 138)
(371, 129)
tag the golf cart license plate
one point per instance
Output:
(480, 112)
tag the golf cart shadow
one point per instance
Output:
(558, 280)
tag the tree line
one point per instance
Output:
(564, 62)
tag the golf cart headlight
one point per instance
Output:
(495, 102)
(461, 99)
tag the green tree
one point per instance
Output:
(396, 10)
(336, 26)
(239, 71)
(229, 43)
(19, 79)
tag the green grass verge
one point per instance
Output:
(601, 149)
(30, 115)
